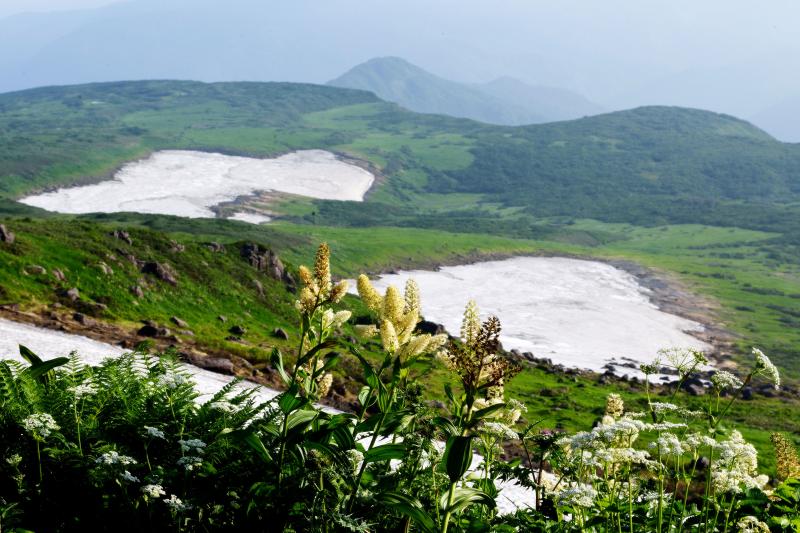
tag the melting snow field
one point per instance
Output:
(188, 184)
(577, 313)
(48, 344)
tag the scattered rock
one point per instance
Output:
(694, 387)
(58, 274)
(72, 294)
(222, 318)
(132, 258)
(747, 393)
(280, 333)
(148, 330)
(216, 247)
(432, 328)
(6, 235)
(82, 319)
(107, 270)
(38, 270)
(178, 322)
(259, 287)
(162, 271)
(176, 247)
(123, 236)
(186, 332)
(137, 291)
(268, 262)
(237, 330)
(217, 364)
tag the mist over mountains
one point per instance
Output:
(505, 100)
(742, 60)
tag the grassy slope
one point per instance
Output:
(443, 173)
(211, 284)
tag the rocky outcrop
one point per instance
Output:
(37, 270)
(178, 322)
(58, 274)
(123, 236)
(137, 291)
(280, 333)
(162, 271)
(268, 262)
(216, 247)
(6, 235)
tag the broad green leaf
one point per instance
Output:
(457, 456)
(29, 356)
(410, 507)
(385, 452)
(304, 416)
(463, 497)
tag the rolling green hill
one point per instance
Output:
(644, 166)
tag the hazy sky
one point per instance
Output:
(12, 7)
(735, 56)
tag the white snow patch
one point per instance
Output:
(251, 218)
(188, 183)
(578, 313)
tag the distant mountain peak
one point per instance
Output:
(506, 100)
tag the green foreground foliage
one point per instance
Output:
(127, 446)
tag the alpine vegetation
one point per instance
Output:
(127, 446)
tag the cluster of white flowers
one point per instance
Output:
(14, 460)
(114, 458)
(498, 430)
(153, 491)
(736, 466)
(224, 406)
(40, 425)
(172, 380)
(724, 380)
(87, 388)
(176, 504)
(751, 524)
(667, 445)
(192, 446)
(190, 462)
(356, 458)
(127, 476)
(154, 433)
(683, 360)
(764, 367)
(576, 495)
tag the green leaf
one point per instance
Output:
(385, 452)
(457, 456)
(41, 369)
(29, 356)
(370, 377)
(486, 411)
(315, 350)
(463, 497)
(364, 395)
(410, 507)
(276, 358)
(304, 416)
(446, 425)
(252, 440)
(290, 401)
